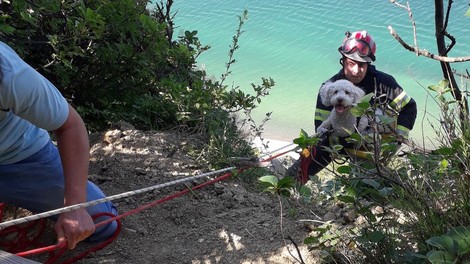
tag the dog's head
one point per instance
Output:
(341, 94)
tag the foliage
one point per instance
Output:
(118, 60)
(304, 140)
(277, 186)
(415, 207)
(451, 247)
(325, 238)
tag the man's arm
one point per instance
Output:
(73, 144)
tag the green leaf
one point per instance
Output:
(284, 192)
(357, 112)
(372, 183)
(386, 119)
(444, 151)
(440, 257)
(386, 191)
(311, 240)
(459, 231)
(376, 236)
(286, 182)
(366, 98)
(433, 88)
(344, 169)
(337, 148)
(443, 84)
(347, 199)
(305, 191)
(271, 179)
(412, 257)
(364, 105)
(443, 242)
(461, 236)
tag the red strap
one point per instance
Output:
(305, 163)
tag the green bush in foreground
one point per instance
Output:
(118, 60)
(412, 208)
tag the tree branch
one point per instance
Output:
(446, 22)
(424, 52)
(410, 14)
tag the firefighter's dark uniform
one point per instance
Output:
(395, 100)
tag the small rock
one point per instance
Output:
(360, 220)
(329, 216)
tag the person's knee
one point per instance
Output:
(101, 212)
(108, 230)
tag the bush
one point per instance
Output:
(117, 60)
(415, 207)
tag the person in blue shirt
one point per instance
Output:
(36, 174)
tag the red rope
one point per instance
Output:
(18, 239)
(154, 203)
(61, 247)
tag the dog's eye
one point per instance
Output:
(346, 92)
(336, 91)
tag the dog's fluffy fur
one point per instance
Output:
(343, 95)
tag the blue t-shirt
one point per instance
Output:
(30, 106)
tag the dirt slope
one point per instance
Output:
(226, 222)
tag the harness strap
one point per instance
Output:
(305, 161)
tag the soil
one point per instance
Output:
(231, 221)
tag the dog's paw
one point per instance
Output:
(322, 130)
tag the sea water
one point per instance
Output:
(295, 42)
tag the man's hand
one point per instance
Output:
(74, 227)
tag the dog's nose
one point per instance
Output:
(340, 100)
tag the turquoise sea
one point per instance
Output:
(295, 42)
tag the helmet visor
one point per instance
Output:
(356, 45)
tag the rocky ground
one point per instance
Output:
(226, 221)
(230, 221)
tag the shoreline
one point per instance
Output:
(273, 146)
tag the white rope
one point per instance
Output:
(126, 194)
(269, 154)
(319, 135)
(106, 199)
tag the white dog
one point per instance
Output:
(343, 95)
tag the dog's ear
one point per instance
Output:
(358, 93)
(325, 93)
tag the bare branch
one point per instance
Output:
(465, 76)
(452, 43)
(410, 14)
(424, 52)
(446, 22)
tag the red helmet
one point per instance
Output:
(358, 46)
